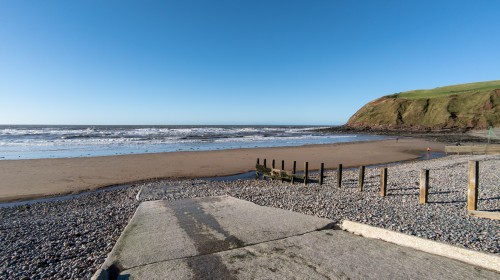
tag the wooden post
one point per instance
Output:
(383, 181)
(424, 185)
(265, 163)
(273, 164)
(293, 171)
(472, 192)
(339, 176)
(282, 168)
(321, 169)
(256, 170)
(361, 177)
(306, 172)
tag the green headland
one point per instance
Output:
(456, 107)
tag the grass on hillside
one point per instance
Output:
(449, 90)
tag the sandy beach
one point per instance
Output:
(23, 179)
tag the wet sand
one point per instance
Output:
(24, 179)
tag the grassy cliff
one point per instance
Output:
(457, 107)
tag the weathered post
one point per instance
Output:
(383, 181)
(424, 185)
(257, 170)
(265, 163)
(361, 177)
(472, 192)
(273, 164)
(282, 167)
(293, 171)
(339, 176)
(321, 169)
(306, 172)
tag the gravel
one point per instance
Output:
(70, 239)
(67, 239)
(444, 218)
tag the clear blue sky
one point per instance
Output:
(233, 62)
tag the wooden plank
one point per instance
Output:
(262, 169)
(282, 168)
(306, 172)
(257, 171)
(361, 177)
(424, 186)
(321, 169)
(484, 214)
(472, 191)
(474, 149)
(339, 176)
(383, 181)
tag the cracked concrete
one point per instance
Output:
(228, 238)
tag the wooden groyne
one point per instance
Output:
(292, 176)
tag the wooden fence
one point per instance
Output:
(473, 150)
(293, 176)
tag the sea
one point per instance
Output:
(69, 141)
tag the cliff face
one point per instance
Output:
(470, 109)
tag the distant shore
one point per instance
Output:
(26, 179)
(444, 135)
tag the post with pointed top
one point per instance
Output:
(321, 170)
(383, 181)
(339, 176)
(306, 172)
(293, 171)
(424, 185)
(257, 170)
(361, 177)
(472, 192)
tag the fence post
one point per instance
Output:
(424, 185)
(256, 170)
(306, 172)
(361, 177)
(282, 168)
(293, 171)
(273, 164)
(472, 192)
(339, 176)
(383, 181)
(265, 163)
(321, 169)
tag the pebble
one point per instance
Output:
(444, 218)
(70, 239)
(63, 239)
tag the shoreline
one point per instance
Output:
(36, 178)
(87, 227)
(226, 178)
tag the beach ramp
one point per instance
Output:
(227, 238)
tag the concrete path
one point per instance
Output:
(228, 238)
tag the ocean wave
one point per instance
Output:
(64, 141)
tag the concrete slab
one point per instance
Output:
(488, 261)
(228, 238)
(162, 230)
(327, 254)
